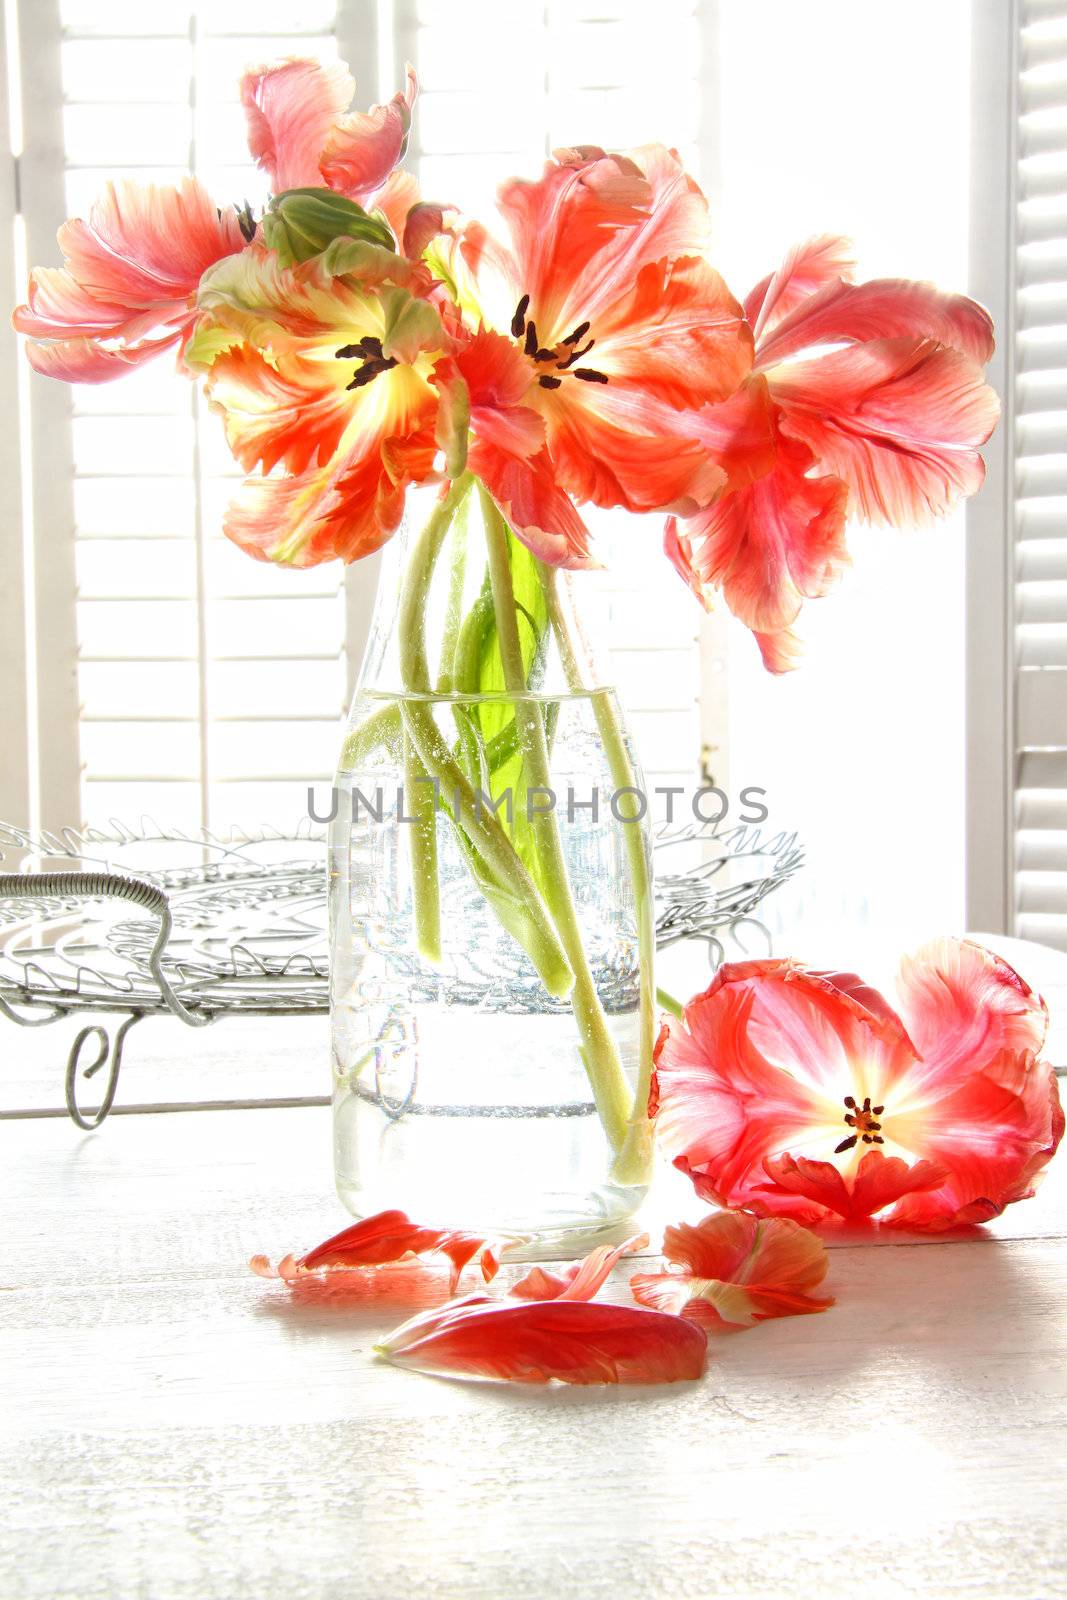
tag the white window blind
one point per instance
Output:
(1039, 435)
(175, 676)
(210, 685)
(168, 673)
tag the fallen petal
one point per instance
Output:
(582, 1279)
(739, 1269)
(383, 1240)
(571, 1341)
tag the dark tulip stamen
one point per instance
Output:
(370, 370)
(863, 1120)
(564, 355)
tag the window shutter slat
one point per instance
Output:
(1038, 425)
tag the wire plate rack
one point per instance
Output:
(236, 924)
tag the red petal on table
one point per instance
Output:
(383, 1240)
(572, 1341)
(737, 1269)
(582, 1279)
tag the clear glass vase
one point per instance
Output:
(491, 903)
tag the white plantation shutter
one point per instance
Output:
(1040, 443)
(1018, 545)
(175, 676)
(504, 82)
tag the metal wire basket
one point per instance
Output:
(237, 924)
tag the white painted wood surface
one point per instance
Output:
(173, 1427)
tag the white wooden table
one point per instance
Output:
(173, 1427)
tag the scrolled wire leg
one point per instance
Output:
(109, 1053)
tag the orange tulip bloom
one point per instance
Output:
(129, 284)
(327, 370)
(596, 338)
(789, 1092)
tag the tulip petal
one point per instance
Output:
(290, 108)
(964, 1005)
(620, 448)
(383, 1240)
(736, 1268)
(86, 361)
(363, 148)
(676, 224)
(993, 1140)
(295, 415)
(818, 1181)
(498, 380)
(768, 545)
(780, 651)
(884, 308)
(898, 420)
(59, 305)
(398, 196)
(582, 1279)
(877, 1182)
(423, 222)
(132, 271)
(809, 267)
(565, 224)
(149, 244)
(741, 433)
(701, 350)
(341, 512)
(538, 511)
(507, 450)
(978, 1103)
(571, 1341)
(592, 222)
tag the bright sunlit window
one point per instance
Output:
(153, 646)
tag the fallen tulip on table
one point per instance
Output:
(791, 1092)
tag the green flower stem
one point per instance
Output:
(418, 785)
(507, 884)
(381, 728)
(667, 1002)
(422, 844)
(454, 608)
(599, 1053)
(634, 1158)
